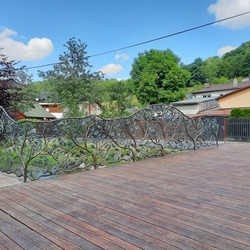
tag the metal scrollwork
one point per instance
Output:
(34, 149)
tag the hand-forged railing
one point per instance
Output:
(33, 149)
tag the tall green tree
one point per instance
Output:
(72, 79)
(197, 76)
(15, 90)
(157, 77)
(117, 97)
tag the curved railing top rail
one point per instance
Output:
(39, 148)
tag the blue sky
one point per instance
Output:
(35, 31)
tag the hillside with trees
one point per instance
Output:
(218, 70)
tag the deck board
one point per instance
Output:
(193, 200)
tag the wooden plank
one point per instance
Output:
(28, 232)
(8, 243)
(228, 232)
(170, 202)
(131, 221)
(25, 217)
(64, 207)
(18, 237)
(60, 219)
(180, 227)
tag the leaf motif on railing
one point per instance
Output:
(34, 149)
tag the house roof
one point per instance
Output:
(223, 87)
(192, 101)
(231, 93)
(214, 112)
(37, 111)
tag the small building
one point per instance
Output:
(196, 105)
(57, 110)
(35, 112)
(51, 107)
(217, 99)
(220, 89)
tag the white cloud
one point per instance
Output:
(225, 49)
(226, 8)
(35, 49)
(111, 69)
(123, 57)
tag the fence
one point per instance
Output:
(238, 129)
(35, 149)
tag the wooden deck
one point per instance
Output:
(194, 200)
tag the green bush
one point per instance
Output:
(236, 113)
(246, 112)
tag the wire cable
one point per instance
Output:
(155, 39)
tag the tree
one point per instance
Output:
(117, 96)
(73, 83)
(157, 77)
(15, 90)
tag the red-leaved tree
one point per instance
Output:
(14, 85)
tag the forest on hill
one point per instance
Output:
(218, 70)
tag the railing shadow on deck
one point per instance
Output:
(34, 149)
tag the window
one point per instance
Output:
(204, 96)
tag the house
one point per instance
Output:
(35, 112)
(239, 98)
(216, 100)
(220, 89)
(195, 105)
(51, 107)
(56, 109)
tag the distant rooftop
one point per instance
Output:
(193, 101)
(37, 111)
(223, 87)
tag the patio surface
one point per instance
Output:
(193, 200)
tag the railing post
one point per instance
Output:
(225, 128)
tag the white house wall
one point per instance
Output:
(58, 115)
(212, 94)
(189, 109)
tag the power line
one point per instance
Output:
(173, 34)
(44, 65)
(155, 39)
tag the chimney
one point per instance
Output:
(207, 83)
(235, 82)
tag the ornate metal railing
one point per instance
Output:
(33, 149)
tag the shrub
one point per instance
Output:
(246, 112)
(236, 113)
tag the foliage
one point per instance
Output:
(238, 113)
(72, 81)
(246, 112)
(157, 77)
(117, 97)
(43, 87)
(34, 149)
(15, 85)
(218, 70)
